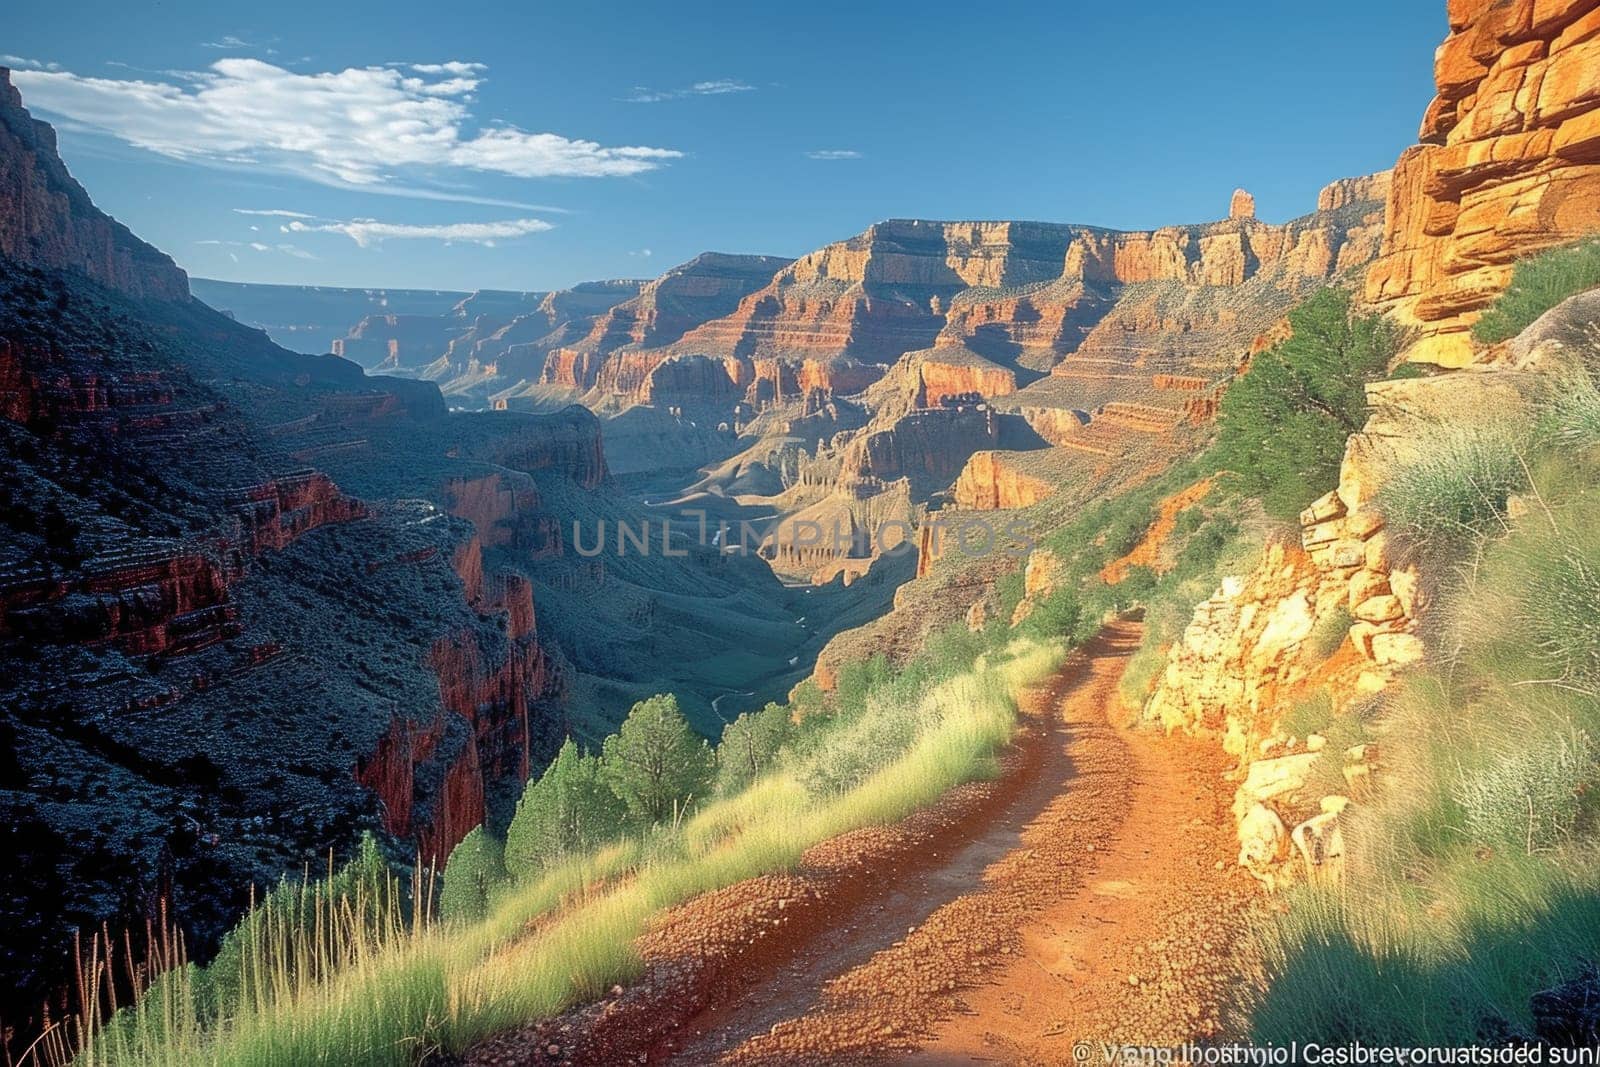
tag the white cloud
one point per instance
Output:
(715, 87)
(230, 43)
(272, 212)
(644, 253)
(834, 153)
(258, 246)
(366, 232)
(454, 66)
(359, 127)
(20, 63)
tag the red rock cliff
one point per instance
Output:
(48, 221)
(1509, 163)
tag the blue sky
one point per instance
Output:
(534, 145)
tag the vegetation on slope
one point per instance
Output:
(1283, 424)
(1470, 880)
(1538, 284)
(603, 841)
(353, 969)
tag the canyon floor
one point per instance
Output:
(1086, 894)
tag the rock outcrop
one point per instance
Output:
(1339, 614)
(47, 220)
(1508, 164)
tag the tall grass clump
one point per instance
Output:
(1456, 487)
(1470, 877)
(351, 970)
(1538, 284)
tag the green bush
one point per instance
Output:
(1330, 632)
(568, 808)
(1538, 284)
(1456, 487)
(655, 763)
(475, 871)
(1309, 715)
(1283, 424)
(750, 746)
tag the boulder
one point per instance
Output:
(1263, 841)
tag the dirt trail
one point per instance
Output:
(1093, 901)
(1088, 893)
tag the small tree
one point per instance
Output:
(1283, 424)
(567, 809)
(475, 871)
(656, 763)
(750, 745)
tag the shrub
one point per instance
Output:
(1309, 715)
(569, 807)
(475, 871)
(750, 746)
(1058, 615)
(1527, 796)
(1330, 632)
(1283, 424)
(1456, 487)
(655, 763)
(1538, 284)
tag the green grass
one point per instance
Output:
(1538, 284)
(1471, 876)
(1455, 489)
(1409, 969)
(353, 990)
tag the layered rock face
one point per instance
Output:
(483, 341)
(211, 651)
(1509, 163)
(48, 221)
(1253, 648)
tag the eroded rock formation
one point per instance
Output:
(1509, 163)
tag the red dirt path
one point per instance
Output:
(1089, 893)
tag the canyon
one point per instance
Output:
(307, 562)
(254, 602)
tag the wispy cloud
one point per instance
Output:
(833, 153)
(643, 253)
(22, 63)
(230, 43)
(370, 128)
(272, 212)
(642, 94)
(455, 67)
(367, 232)
(259, 246)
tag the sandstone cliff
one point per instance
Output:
(1509, 163)
(48, 221)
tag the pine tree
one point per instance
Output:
(475, 871)
(750, 744)
(1283, 424)
(656, 763)
(569, 808)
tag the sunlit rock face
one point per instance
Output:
(1509, 163)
